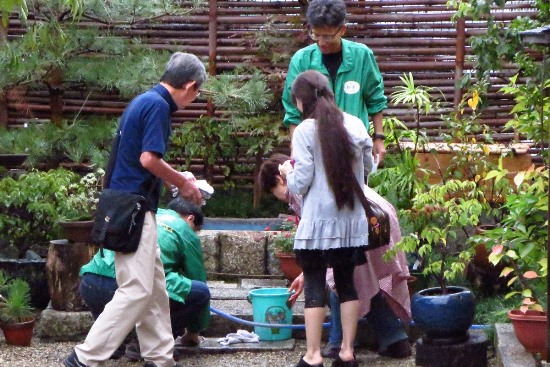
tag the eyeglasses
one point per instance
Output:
(324, 37)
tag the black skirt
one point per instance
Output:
(331, 258)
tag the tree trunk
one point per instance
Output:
(3, 97)
(62, 268)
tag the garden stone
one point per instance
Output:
(32, 255)
(210, 249)
(64, 326)
(243, 252)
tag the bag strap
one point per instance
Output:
(112, 160)
(361, 194)
(103, 233)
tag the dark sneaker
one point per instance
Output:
(400, 349)
(119, 353)
(151, 364)
(132, 351)
(72, 361)
(330, 352)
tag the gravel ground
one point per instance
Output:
(51, 355)
(46, 354)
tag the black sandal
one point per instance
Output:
(303, 363)
(339, 363)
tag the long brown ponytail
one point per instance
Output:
(312, 88)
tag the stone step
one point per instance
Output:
(229, 298)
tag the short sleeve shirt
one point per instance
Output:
(145, 126)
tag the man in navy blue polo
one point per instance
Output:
(141, 299)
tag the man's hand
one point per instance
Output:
(379, 149)
(190, 192)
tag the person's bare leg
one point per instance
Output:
(349, 315)
(314, 318)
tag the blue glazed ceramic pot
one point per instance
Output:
(446, 318)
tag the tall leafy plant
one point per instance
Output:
(520, 242)
(438, 215)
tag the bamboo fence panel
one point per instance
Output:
(414, 36)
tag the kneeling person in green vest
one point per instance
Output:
(181, 255)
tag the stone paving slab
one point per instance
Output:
(510, 353)
(212, 346)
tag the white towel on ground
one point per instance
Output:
(241, 336)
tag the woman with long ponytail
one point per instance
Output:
(332, 152)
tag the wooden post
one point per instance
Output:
(459, 58)
(3, 96)
(257, 190)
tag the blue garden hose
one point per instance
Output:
(326, 325)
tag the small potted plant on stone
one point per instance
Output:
(16, 314)
(520, 243)
(283, 242)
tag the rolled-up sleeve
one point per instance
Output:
(373, 90)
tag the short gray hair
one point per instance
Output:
(326, 13)
(183, 68)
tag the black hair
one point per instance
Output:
(184, 207)
(326, 13)
(313, 89)
(269, 170)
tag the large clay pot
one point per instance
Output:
(20, 333)
(443, 318)
(62, 268)
(531, 330)
(77, 231)
(288, 266)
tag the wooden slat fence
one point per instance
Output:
(414, 36)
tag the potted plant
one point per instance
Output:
(31, 207)
(520, 243)
(437, 217)
(283, 242)
(16, 314)
(76, 211)
(12, 153)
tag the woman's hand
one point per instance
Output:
(297, 286)
(285, 168)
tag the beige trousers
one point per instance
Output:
(141, 300)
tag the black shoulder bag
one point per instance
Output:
(379, 220)
(120, 215)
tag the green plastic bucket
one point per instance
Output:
(269, 307)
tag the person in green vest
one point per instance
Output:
(181, 255)
(351, 68)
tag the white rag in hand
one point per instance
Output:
(241, 336)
